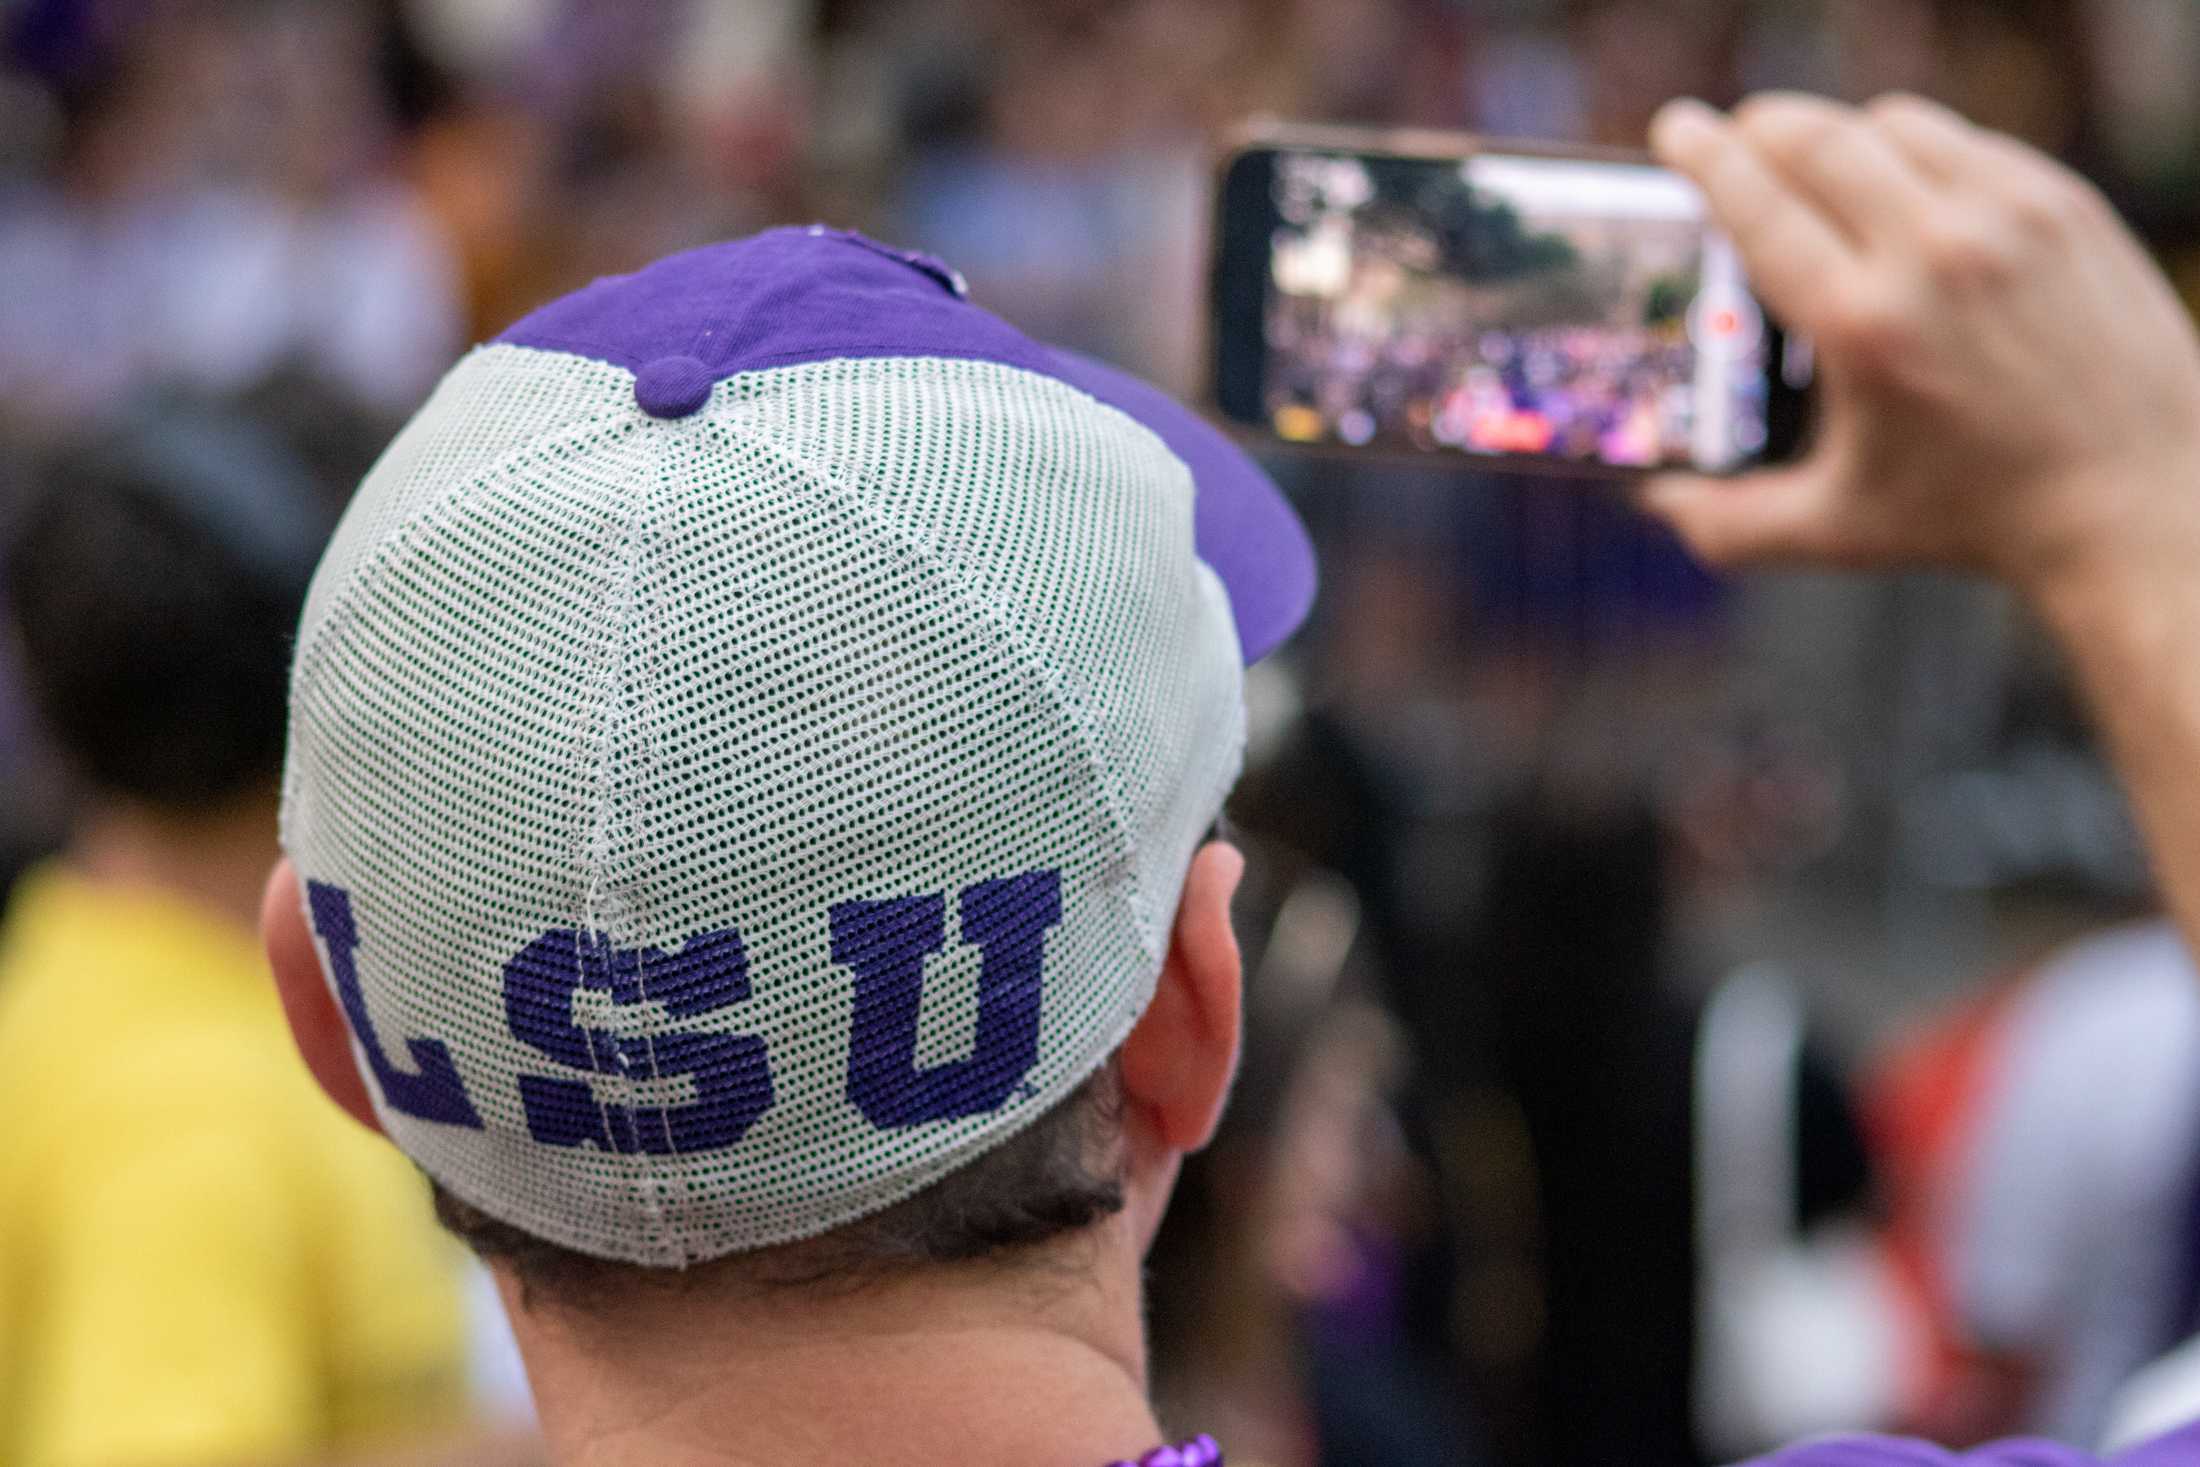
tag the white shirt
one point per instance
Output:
(2070, 1234)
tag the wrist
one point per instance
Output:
(2130, 535)
(2120, 621)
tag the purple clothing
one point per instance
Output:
(2178, 1449)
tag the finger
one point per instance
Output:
(1842, 162)
(1758, 518)
(1938, 142)
(1789, 250)
(1969, 158)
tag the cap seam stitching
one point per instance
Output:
(341, 599)
(615, 615)
(1008, 627)
(660, 1184)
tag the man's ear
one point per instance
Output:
(1179, 1058)
(316, 1025)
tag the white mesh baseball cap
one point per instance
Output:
(748, 735)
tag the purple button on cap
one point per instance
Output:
(672, 387)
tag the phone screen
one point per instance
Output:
(1500, 304)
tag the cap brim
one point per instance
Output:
(1242, 526)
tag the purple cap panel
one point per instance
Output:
(815, 294)
(1242, 526)
(772, 300)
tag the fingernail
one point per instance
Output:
(1662, 494)
(1681, 115)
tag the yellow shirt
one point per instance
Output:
(201, 1259)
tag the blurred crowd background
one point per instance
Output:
(1683, 1013)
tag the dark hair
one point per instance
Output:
(154, 573)
(1062, 1173)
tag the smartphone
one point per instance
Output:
(1533, 306)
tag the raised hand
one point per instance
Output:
(2009, 385)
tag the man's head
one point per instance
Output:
(752, 743)
(153, 576)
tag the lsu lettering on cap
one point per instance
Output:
(748, 735)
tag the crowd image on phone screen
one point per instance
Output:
(1508, 305)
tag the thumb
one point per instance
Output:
(1772, 515)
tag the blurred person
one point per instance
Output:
(2068, 1247)
(2050, 1130)
(223, 204)
(1058, 153)
(1568, 948)
(1526, 82)
(1922, 1101)
(200, 1260)
(1276, 1316)
(587, 137)
(2035, 1221)
(1400, 62)
(1281, 1291)
(535, 687)
(1634, 54)
(2142, 52)
(1675, 1210)
(1882, 46)
(2022, 67)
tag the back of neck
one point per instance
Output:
(216, 859)
(1023, 1365)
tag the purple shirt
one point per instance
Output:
(2178, 1449)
